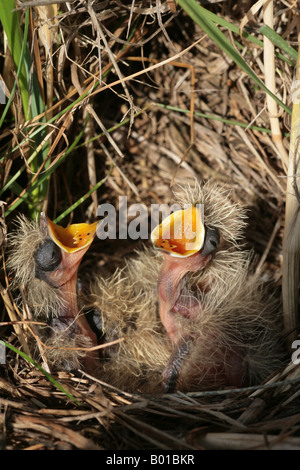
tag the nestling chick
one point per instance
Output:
(44, 259)
(195, 320)
(188, 313)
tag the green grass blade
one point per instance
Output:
(11, 25)
(16, 175)
(46, 174)
(275, 38)
(278, 41)
(235, 29)
(15, 188)
(82, 198)
(277, 54)
(29, 88)
(11, 22)
(226, 24)
(202, 17)
(231, 122)
(20, 66)
(47, 375)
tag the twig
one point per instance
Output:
(291, 240)
(269, 65)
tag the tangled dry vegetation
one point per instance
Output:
(152, 79)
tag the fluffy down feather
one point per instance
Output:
(64, 347)
(233, 340)
(23, 242)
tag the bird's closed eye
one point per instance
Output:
(211, 242)
(47, 256)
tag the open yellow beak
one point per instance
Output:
(181, 234)
(73, 238)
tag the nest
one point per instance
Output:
(138, 140)
(39, 416)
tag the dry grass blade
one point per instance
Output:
(235, 441)
(251, 13)
(291, 241)
(48, 427)
(154, 436)
(46, 18)
(270, 81)
(5, 294)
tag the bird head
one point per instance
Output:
(44, 259)
(189, 239)
(58, 257)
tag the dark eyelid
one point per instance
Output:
(211, 242)
(47, 257)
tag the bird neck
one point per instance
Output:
(172, 284)
(69, 312)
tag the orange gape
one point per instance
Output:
(181, 234)
(72, 238)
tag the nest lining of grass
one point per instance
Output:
(140, 159)
(38, 416)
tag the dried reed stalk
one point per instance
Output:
(236, 441)
(270, 81)
(46, 17)
(291, 241)
(14, 319)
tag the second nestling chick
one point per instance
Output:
(195, 320)
(44, 259)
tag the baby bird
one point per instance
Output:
(190, 313)
(185, 314)
(44, 259)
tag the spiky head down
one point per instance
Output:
(235, 326)
(220, 212)
(23, 243)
